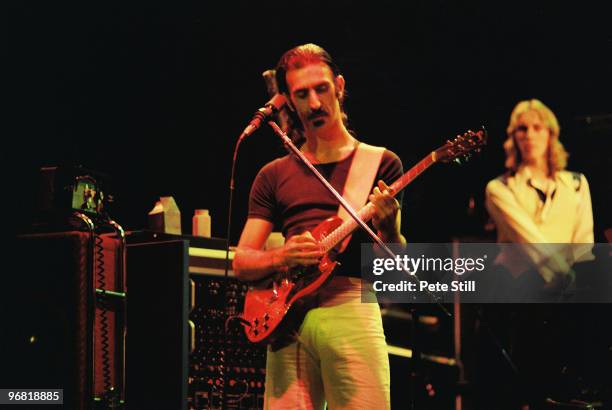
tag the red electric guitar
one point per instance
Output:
(268, 301)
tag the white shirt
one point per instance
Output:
(556, 211)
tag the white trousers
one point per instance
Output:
(339, 358)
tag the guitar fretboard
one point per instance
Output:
(367, 212)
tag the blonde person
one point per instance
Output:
(537, 202)
(546, 209)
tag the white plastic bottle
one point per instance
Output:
(201, 223)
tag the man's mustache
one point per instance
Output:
(317, 114)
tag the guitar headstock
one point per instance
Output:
(462, 146)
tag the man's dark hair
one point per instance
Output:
(299, 57)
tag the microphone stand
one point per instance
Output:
(416, 351)
(225, 282)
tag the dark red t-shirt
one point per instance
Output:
(287, 194)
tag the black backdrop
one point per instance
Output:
(155, 95)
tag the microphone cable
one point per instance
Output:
(224, 287)
(271, 108)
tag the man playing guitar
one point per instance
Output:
(338, 355)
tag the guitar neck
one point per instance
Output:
(367, 212)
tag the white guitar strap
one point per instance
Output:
(359, 180)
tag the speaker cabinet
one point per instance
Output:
(157, 336)
(47, 308)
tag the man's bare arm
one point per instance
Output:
(251, 262)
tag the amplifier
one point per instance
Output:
(62, 314)
(223, 364)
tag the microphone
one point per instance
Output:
(273, 106)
